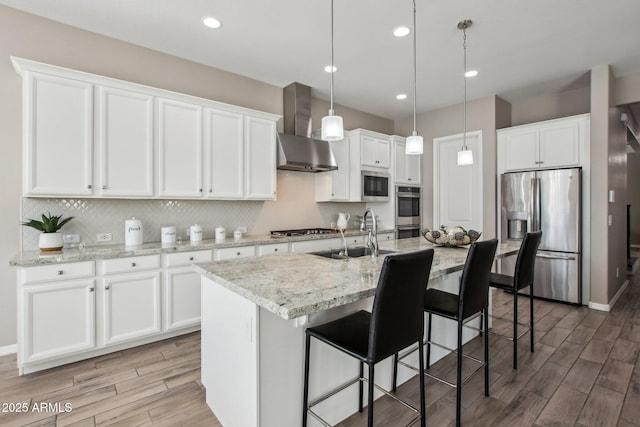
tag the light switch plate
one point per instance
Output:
(612, 196)
(71, 238)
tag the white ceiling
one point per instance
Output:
(520, 47)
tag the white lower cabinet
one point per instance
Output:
(56, 320)
(236, 252)
(131, 307)
(272, 248)
(182, 289)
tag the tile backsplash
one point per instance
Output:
(93, 216)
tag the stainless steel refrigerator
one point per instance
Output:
(547, 200)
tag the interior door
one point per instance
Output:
(457, 190)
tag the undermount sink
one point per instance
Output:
(353, 253)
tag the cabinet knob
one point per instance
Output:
(200, 190)
(89, 186)
(106, 288)
(60, 272)
(104, 187)
(190, 258)
(408, 179)
(91, 289)
(133, 264)
(238, 253)
(211, 190)
(275, 250)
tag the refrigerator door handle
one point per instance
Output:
(565, 258)
(532, 214)
(536, 207)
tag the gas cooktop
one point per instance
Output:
(302, 232)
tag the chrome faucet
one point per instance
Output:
(372, 238)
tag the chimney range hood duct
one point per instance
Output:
(297, 151)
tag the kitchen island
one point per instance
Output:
(254, 311)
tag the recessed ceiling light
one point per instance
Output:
(471, 73)
(211, 22)
(328, 69)
(401, 96)
(401, 31)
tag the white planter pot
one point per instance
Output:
(50, 242)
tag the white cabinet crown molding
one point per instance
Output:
(21, 65)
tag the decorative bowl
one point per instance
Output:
(451, 237)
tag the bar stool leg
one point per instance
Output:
(423, 410)
(306, 381)
(370, 397)
(459, 376)
(395, 372)
(429, 343)
(361, 387)
(531, 315)
(486, 352)
(515, 329)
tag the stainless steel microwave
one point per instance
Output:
(375, 186)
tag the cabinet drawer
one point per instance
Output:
(316, 245)
(355, 240)
(131, 264)
(45, 273)
(239, 252)
(274, 248)
(187, 258)
(386, 236)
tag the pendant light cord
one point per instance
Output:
(331, 112)
(464, 48)
(415, 67)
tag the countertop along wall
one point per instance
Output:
(43, 40)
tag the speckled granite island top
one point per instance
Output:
(296, 284)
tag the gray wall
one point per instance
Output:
(47, 41)
(633, 195)
(551, 106)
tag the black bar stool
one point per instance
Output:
(472, 299)
(522, 278)
(395, 323)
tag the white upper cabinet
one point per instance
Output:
(375, 151)
(334, 185)
(407, 167)
(179, 149)
(549, 144)
(142, 142)
(260, 140)
(125, 140)
(58, 135)
(224, 141)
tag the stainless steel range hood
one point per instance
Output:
(297, 151)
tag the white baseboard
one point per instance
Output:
(8, 349)
(608, 307)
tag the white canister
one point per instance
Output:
(195, 233)
(237, 235)
(133, 232)
(168, 235)
(221, 233)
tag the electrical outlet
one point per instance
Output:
(103, 237)
(71, 238)
(243, 229)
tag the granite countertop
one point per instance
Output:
(91, 253)
(292, 285)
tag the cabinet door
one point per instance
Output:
(131, 306)
(57, 320)
(414, 169)
(58, 131)
(560, 144)
(401, 165)
(340, 177)
(182, 298)
(225, 154)
(382, 153)
(368, 151)
(179, 149)
(125, 134)
(260, 136)
(520, 148)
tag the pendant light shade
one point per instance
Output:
(332, 128)
(414, 144)
(465, 155)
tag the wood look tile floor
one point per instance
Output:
(585, 371)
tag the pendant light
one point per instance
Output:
(465, 155)
(414, 143)
(332, 128)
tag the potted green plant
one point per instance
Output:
(50, 239)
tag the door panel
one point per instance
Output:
(560, 210)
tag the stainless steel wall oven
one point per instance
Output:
(408, 220)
